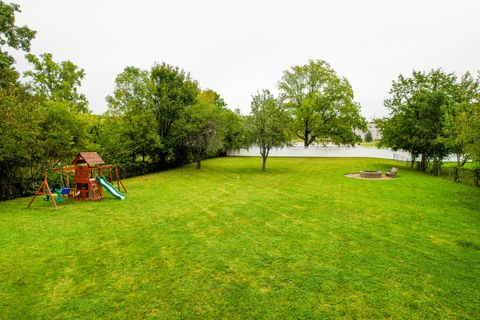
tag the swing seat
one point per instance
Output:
(59, 194)
(66, 191)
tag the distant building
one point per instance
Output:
(372, 127)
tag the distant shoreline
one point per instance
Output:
(333, 151)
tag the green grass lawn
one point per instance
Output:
(229, 241)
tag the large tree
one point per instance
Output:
(13, 36)
(20, 143)
(468, 122)
(165, 117)
(234, 131)
(173, 91)
(201, 126)
(267, 124)
(64, 129)
(472, 130)
(57, 82)
(465, 97)
(420, 106)
(321, 103)
(132, 105)
(20, 113)
(232, 127)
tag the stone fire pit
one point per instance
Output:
(370, 174)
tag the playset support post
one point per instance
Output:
(119, 181)
(45, 190)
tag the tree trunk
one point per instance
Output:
(305, 135)
(460, 163)
(435, 166)
(306, 139)
(414, 158)
(264, 162)
(162, 159)
(423, 161)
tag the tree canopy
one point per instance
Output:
(321, 104)
(267, 124)
(131, 104)
(202, 126)
(167, 119)
(12, 36)
(57, 82)
(423, 110)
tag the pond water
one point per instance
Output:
(298, 150)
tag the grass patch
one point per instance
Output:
(229, 241)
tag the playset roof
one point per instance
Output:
(90, 158)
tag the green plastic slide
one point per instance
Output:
(110, 188)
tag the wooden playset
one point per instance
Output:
(89, 180)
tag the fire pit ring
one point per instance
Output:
(371, 174)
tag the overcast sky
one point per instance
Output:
(239, 47)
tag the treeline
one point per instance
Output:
(160, 118)
(435, 115)
(156, 119)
